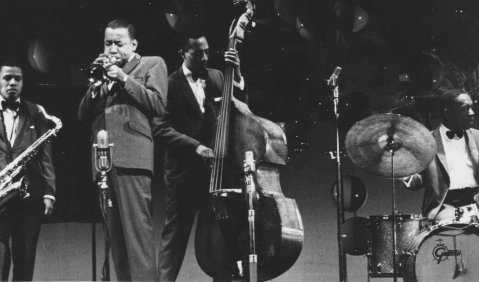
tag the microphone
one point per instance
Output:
(334, 77)
(102, 151)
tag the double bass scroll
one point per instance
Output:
(222, 241)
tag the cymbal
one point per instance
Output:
(413, 145)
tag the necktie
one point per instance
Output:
(452, 133)
(12, 105)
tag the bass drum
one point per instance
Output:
(444, 253)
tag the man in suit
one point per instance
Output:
(124, 105)
(452, 178)
(20, 218)
(186, 129)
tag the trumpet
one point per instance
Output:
(97, 72)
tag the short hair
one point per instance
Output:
(186, 44)
(118, 23)
(448, 96)
(11, 63)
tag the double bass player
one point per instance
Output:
(186, 129)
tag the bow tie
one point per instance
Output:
(200, 74)
(12, 105)
(451, 134)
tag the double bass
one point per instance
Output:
(229, 231)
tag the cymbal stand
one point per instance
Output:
(392, 147)
(333, 82)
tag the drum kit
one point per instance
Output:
(407, 246)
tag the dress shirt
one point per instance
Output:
(459, 163)
(10, 121)
(198, 87)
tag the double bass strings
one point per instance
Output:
(222, 132)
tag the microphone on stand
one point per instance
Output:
(102, 152)
(332, 81)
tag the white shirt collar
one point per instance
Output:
(443, 129)
(186, 70)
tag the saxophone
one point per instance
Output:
(10, 188)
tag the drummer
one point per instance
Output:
(451, 179)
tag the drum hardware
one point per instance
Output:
(464, 214)
(391, 146)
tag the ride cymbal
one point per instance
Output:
(369, 144)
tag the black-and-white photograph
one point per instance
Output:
(239, 140)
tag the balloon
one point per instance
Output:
(361, 18)
(188, 17)
(425, 70)
(40, 56)
(351, 18)
(356, 236)
(354, 193)
(284, 9)
(172, 20)
(306, 34)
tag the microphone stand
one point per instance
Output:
(333, 82)
(103, 164)
(105, 203)
(250, 170)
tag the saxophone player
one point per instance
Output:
(20, 218)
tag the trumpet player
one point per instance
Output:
(22, 124)
(123, 104)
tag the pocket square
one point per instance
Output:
(32, 127)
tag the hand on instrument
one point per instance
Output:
(205, 152)
(116, 73)
(231, 56)
(48, 206)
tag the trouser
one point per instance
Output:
(22, 226)
(185, 195)
(131, 226)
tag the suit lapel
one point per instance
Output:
(22, 115)
(129, 66)
(473, 150)
(188, 92)
(440, 149)
(3, 136)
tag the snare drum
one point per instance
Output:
(444, 253)
(380, 257)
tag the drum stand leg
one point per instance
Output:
(391, 147)
(368, 269)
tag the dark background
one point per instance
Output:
(391, 53)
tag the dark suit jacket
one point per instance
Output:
(125, 112)
(31, 125)
(184, 127)
(435, 178)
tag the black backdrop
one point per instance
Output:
(284, 70)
